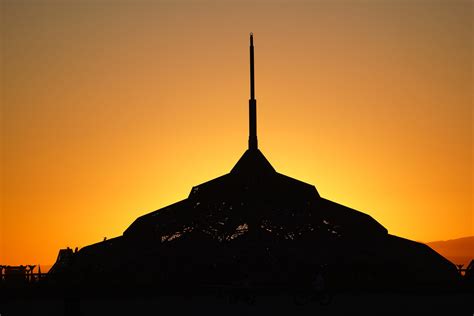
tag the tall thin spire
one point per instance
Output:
(253, 143)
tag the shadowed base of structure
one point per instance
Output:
(243, 302)
(255, 226)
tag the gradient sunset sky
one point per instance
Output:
(112, 109)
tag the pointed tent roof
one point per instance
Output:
(250, 217)
(251, 162)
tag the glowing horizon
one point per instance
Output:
(111, 111)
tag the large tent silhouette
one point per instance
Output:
(255, 227)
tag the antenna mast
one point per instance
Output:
(253, 143)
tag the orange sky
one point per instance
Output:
(112, 109)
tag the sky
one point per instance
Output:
(113, 109)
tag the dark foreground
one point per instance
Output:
(236, 302)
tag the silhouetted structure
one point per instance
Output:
(255, 227)
(253, 142)
(19, 275)
(469, 272)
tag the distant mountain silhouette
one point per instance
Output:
(255, 227)
(458, 251)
